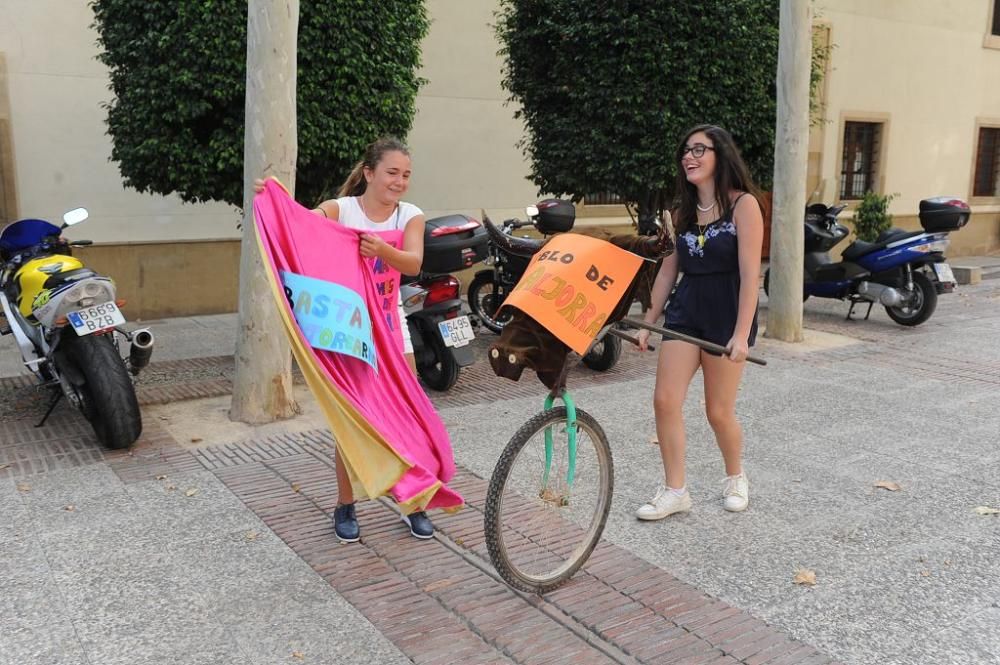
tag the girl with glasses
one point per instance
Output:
(719, 231)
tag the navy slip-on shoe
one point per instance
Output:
(420, 525)
(345, 523)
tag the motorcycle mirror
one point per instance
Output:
(75, 216)
(531, 212)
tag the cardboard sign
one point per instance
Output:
(572, 285)
(331, 317)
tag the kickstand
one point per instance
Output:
(52, 407)
(851, 310)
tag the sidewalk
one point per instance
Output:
(211, 542)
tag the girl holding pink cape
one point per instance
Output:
(389, 438)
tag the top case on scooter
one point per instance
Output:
(943, 213)
(453, 243)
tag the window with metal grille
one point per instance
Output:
(987, 178)
(859, 168)
(602, 199)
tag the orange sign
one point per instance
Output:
(572, 285)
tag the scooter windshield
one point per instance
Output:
(25, 233)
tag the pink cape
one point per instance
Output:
(388, 433)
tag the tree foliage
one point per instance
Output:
(607, 89)
(178, 74)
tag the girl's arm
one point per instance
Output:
(406, 260)
(750, 235)
(666, 277)
(329, 209)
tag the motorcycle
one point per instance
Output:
(64, 318)
(439, 331)
(904, 271)
(509, 257)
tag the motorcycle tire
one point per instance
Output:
(482, 297)
(109, 401)
(922, 306)
(767, 286)
(442, 373)
(604, 355)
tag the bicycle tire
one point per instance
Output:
(500, 541)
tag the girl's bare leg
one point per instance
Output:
(344, 492)
(722, 380)
(677, 364)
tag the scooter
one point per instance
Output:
(65, 318)
(904, 271)
(439, 331)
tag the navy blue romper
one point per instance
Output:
(706, 302)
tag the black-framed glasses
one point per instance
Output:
(696, 150)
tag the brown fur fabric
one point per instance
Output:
(526, 343)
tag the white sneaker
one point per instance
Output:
(664, 503)
(736, 494)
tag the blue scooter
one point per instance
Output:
(904, 271)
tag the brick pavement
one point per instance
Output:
(618, 608)
(438, 601)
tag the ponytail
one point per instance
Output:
(355, 185)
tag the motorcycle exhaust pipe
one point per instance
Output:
(141, 349)
(884, 295)
(891, 297)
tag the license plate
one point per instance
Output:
(456, 332)
(95, 319)
(944, 273)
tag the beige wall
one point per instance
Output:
(464, 137)
(160, 280)
(921, 66)
(55, 90)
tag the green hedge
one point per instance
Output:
(178, 75)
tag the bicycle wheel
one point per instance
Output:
(546, 508)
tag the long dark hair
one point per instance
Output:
(355, 185)
(731, 174)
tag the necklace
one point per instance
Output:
(365, 212)
(701, 235)
(701, 232)
(702, 227)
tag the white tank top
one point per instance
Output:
(353, 217)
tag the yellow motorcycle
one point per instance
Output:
(65, 318)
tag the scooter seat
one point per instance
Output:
(891, 234)
(860, 248)
(523, 247)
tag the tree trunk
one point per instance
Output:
(262, 390)
(791, 147)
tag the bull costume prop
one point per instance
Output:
(527, 343)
